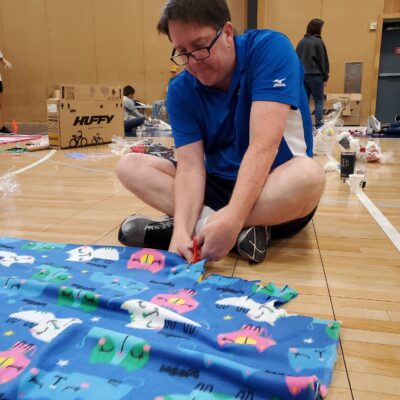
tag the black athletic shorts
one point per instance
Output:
(1, 86)
(218, 193)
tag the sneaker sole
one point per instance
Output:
(258, 242)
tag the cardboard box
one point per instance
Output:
(351, 103)
(84, 115)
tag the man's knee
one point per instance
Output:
(129, 168)
(135, 169)
(311, 175)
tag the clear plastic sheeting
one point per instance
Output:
(8, 184)
(153, 124)
(120, 146)
(325, 136)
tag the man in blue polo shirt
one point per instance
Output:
(243, 134)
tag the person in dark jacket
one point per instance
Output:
(314, 57)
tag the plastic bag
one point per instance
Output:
(325, 136)
(8, 184)
(156, 149)
(151, 124)
(119, 145)
(374, 154)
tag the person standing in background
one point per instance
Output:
(6, 65)
(159, 105)
(314, 57)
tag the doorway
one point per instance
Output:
(388, 90)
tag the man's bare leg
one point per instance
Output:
(291, 191)
(150, 178)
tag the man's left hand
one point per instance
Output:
(219, 235)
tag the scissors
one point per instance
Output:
(196, 252)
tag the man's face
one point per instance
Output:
(216, 70)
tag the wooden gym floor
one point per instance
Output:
(343, 264)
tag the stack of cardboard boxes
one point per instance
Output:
(79, 115)
(351, 103)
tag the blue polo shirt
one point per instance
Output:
(267, 69)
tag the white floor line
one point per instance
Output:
(98, 171)
(42, 160)
(382, 221)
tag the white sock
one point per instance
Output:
(205, 213)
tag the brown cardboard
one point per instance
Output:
(90, 93)
(351, 103)
(78, 123)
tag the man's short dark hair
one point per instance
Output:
(128, 90)
(204, 12)
(314, 27)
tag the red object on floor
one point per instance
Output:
(140, 148)
(14, 126)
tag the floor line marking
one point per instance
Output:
(378, 216)
(42, 160)
(383, 222)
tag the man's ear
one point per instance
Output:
(229, 33)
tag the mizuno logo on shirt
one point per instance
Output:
(279, 83)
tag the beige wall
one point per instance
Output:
(392, 6)
(115, 42)
(346, 33)
(85, 42)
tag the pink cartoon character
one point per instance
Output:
(249, 335)
(296, 384)
(147, 259)
(180, 302)
(14, 361)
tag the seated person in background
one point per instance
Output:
(158, 105)
(376, 126)
(132, 117)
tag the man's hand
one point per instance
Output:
(182, 244)
(219, 235)
(7, 64)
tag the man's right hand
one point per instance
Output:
(182, 244)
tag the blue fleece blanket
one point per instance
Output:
(91, 322)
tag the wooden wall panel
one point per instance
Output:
(70, 35)
(157, 50)
(291, 18)
(349, 39)
(392, 6)
(23, 42)
(118, 43)
(238, 9)
(84, 42)
(346, 34)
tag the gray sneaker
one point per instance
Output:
(373, 124)
(252, 243)
(141, 231)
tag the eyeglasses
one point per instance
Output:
(198, 54)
